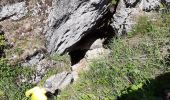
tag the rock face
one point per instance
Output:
(71, 20)
(14, 11)
(42, 65)
(128, 10)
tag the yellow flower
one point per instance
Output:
(36, 93)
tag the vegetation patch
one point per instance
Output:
(10, 88)
(63, 64)
(132, 70)
(2, 43)
(114, 1)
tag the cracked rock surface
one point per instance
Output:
(127, 12)
(58, 81)
(71, 20)
(71, 26)
(15, 11)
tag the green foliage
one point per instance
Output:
(9, 88)
(155, 29)
(128, 70)
(143, 26)
(129, 67)
(64, 58)
(110, 77)
(18, 51)
(114, 1)
(2, 44)
(2, 41)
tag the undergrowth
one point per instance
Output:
(63, 65)
(131, 72)
(128, 72)
(114, 1)
(2, 43)
(9, 87)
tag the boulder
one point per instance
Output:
(150, 5)
(41, 64)
(128, 11)
(58, 82)
(71, 20)
(14, 11)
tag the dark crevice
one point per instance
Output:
(1, 8)
(113, 7)
(41, 51)
(7, 17)
(80, 4)
(131, 5)
(61, 20)
(102, 30)
(76, 56)
(166, 3)
(79, 49)
(167, 60)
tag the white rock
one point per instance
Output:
(128, 10)
(71, 20)
(15, 11)
(58, 81)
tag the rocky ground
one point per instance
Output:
(37, 30)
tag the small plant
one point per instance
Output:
(64, 58)
(114, 1)
(144, 26)
(18, 51)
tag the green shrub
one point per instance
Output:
(143, 26)
(9, 88)
(112, 76)
(2, 44)
(114, 1)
